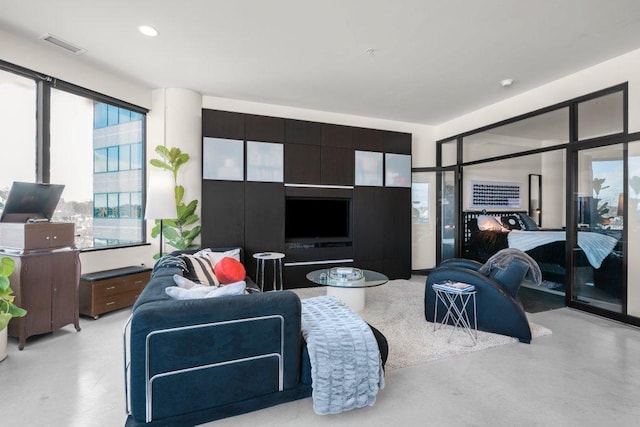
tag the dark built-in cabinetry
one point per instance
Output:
(253, 166)
(46, 276)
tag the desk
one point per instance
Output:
(276, 257)
(455, 297)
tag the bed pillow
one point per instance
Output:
(512, 222)
(529, 224)
(488, 222)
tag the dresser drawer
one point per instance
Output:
(120, 285)
(105, 304)
(105, 291)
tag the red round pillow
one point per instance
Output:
(229, 270)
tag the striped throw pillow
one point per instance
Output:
(200, 270)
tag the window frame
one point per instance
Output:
(44, 84)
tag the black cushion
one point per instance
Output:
(512, 222)
(529, 224)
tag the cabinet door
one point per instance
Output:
(222, 213)
(368, 139)
(397, 142)
(301, 164)
(337, 136)
(36, 296)
(368, 238)
(302, 132)
(222, 124)
(264, 128)
(264, 222)
(397, 233)
(338, 166)
(65, 276)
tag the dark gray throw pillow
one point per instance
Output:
(529, 224)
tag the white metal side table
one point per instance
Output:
(456, 297)
(276, 257)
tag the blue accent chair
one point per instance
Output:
(499, 309)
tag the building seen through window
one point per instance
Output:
(101, 145)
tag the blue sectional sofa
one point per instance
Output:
(188, 362)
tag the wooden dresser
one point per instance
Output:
(45, 280)
(109, 290)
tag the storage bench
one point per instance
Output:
(105, 291)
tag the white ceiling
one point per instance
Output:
(433, 60)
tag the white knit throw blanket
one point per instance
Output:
(346, 370)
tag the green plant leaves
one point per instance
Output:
(175, 231)
(160, 164)
(6, 266)
(7, 308)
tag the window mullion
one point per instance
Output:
(43, 132)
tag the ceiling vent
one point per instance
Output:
(55, 40)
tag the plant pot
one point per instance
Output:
(3, 344)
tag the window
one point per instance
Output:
(601, 116)
(90, 144)
(124, 159)
(110, 115)
(112, 159)
(539, 131)
(17, 130)
(117, 158)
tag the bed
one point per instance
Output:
(598, 258)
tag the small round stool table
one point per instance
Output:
(276, 257)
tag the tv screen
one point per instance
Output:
(29, 200)
(307, 218)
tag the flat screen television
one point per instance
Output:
(326, 219)
(31, 201)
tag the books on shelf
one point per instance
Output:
(454, 286)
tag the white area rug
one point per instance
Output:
(397, 310)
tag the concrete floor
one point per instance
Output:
(587, 373)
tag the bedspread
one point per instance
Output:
(346, 370)
(595, 246)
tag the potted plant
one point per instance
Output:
(8, 309)
(179, 232)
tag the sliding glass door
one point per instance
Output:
(597, 246)
(423, 220)
(448, 189)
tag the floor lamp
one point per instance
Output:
(161, 201)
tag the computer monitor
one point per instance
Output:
(31, 201)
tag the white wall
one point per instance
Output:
(625, 68)
(50, 60)
(510, 170)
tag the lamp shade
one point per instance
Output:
(161, 202)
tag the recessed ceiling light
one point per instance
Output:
(148, 31)
(506, 82)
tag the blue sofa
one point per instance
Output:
(499, 309)
(188, 362)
